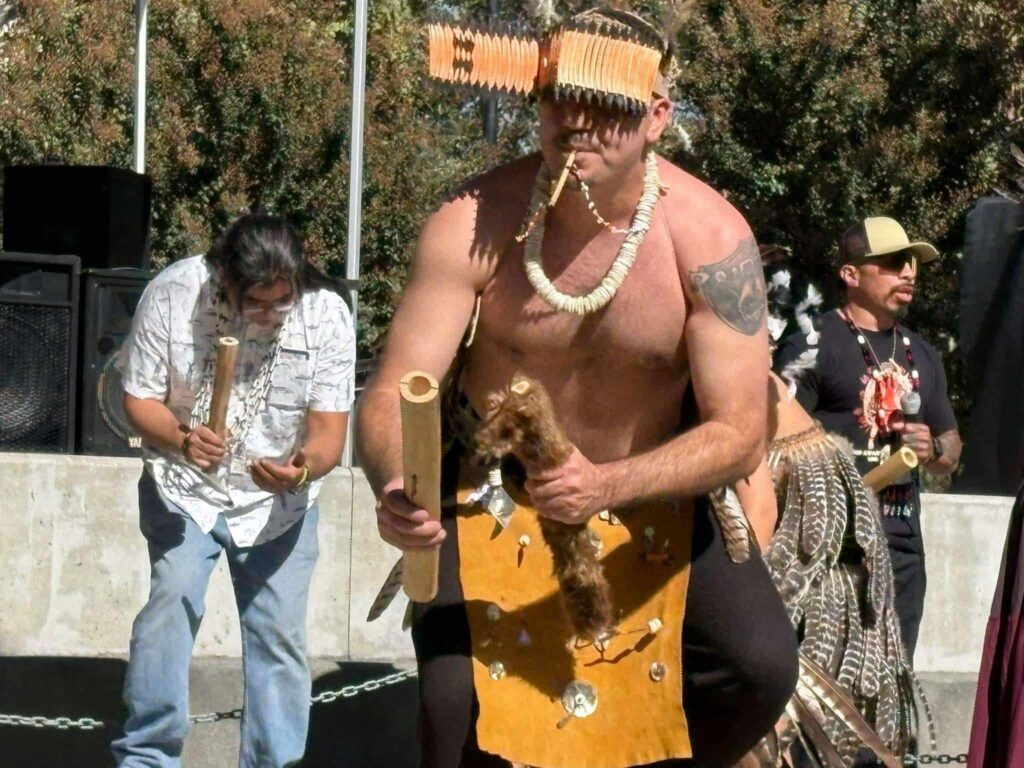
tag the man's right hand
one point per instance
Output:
(402, 524)
(204, 447)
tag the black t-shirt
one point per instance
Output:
(831, 393)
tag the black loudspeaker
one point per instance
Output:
(992, 343)
(109, 299)
(100, 214)
(38, 346)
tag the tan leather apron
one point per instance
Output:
(546, 700)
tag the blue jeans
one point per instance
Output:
(271, 582)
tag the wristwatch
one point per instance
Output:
(936, 448)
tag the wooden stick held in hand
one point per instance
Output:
(421, 462)
(894, 467)
(227, 352)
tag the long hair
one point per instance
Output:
(259, 249)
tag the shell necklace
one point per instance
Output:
(544, 198)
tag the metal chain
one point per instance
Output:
(214, 717)
(347, 692)
(941, 759)
(60, 723)
(88, 724)
(370, 685)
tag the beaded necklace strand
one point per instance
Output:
(254, 400)
(871, 360)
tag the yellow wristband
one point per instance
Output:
(303, 481)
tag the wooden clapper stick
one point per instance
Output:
(894, 467)
(421, 463)
(223, 377)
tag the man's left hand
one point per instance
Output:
(278, 478)
(571, 493)
(918, 438)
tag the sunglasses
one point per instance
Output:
(892, 262)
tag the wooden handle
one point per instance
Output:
(227, 351)
(896, 465)
(556, 190)
(421, 463)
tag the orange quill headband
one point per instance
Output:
(593, 57)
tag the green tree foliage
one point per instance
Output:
(807, 113)
(810, 115)
(246, 101)
(248, 105)
(421, 144)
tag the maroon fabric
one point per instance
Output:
(997, 734)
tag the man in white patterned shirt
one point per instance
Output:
(251, 492)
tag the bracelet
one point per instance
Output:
(186, 444)
(304, 481)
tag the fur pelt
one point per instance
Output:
(521, 422)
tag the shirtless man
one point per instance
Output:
(690, 313)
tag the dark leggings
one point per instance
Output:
(910, 582)
(740, 662)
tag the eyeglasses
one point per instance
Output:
(256, 307)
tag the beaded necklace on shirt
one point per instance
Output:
(254, 399)
(894, 499)
(875, 368)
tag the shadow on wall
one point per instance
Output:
(373, 729)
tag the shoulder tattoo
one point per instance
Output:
(734, 288)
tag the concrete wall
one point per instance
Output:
(963, 541)
(74, 571)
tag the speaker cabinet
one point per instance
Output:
(38, 346)
(100, 214)
(109, 299)
(992, 345)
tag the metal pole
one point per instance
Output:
(141, 21)
(491, 119)
(355, 178)
(490, 103)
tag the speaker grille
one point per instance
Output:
(109, 301)
(110, 396)
(34, 376)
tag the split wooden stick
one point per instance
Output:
(421, 462)
(894, 467)
(223, 377)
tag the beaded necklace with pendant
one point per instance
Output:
(871, 360)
